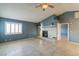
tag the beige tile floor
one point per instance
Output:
(38, 47)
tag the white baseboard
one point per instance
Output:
(74, 43)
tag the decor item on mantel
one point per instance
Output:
(44, 6)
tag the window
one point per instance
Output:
(13, 28)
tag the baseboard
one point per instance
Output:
(74, 43)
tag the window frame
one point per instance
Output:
(10, 33)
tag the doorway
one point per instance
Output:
(63, 31)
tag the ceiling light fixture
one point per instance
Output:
(44, 6)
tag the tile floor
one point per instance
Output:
(39, 47)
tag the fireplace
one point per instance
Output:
(45, 33)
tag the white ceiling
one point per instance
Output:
(28, 12)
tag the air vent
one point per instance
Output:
(76, 14)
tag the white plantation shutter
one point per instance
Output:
(16, 28)
(7, 28)
(20, 28)
(13, 28)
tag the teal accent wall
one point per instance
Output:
(51, 20)
(29, 30)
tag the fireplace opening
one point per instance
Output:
(45, 33)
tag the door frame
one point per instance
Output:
(59, 31)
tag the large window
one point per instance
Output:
(13, 28)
